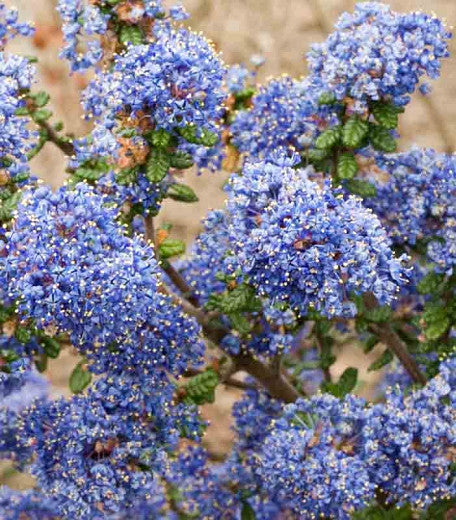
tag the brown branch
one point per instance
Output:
(386, 334)
(277, 385)
(187, 291)
(52, 136)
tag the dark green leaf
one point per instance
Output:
(381, 139)
(240, 323)
(346, 166)
(329, 138)
(378, 314)
(41, 115)
(131, 34)
(247, 512)
(41, 99)
(182, 193)
(171, 247)
(158, 165)
(386, 114)
(51, 347)
(361, 188)
(354, 131)
(160, 138)
(345, 385)
(181, 160)
(200, 389)
(382, 361)
(432, 283)
(327, 98)
(80, 378)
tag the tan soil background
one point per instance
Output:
(280, 30)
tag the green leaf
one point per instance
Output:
(181, 160)
(158, 165)
(382, 361)
(131, 34)
(386, 114)
(329, 138)
(432, 283)
(381, 139)
(41, 363)
(317, 155)
(40, 99)
(327, 98)
(80, 378)
(51, 347)
(41, 115)
(346, 166)
(370, 343)
(22, 334)
(247, 512)
(126, 176)
(171, 247)
(437, 328)
(354, 131)
(182, 193)
(361, 188)
(200, 389)
(240, 323)
(160, 138)
(345, 385)
(378, 314)
(241, 299)
(204, 137)
(8, 206)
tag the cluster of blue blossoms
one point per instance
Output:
(275, 280)
(72, 268)
(304, 244)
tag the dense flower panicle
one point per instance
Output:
(376, 54)
(86, 21)
(306, 245)
(26, 505)
(27, 387)
(205, 260)
(97, 454)
(283, 114)
(309, 461)
(409, 442)
(16, 139)
(422, 186)
(174, 81)
(72, 267)
(10, 27)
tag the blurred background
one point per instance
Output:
(281, 31)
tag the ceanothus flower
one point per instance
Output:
(10, 27)
(409, 442)
(309, 461)
(284, 114)
(99, 453)
(305, 244)
(376, 54)
(173, 81)
(92, 23)
(26, 505)
(71, 266)
(16, 139)
(422, 186)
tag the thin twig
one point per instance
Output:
(184, 288)
(386, 334)
(66, 146)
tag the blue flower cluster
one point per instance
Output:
(305, 244)
(421, 185)
(20, 386)
(98, 454)
(93, 23)
(284, 114)
(71, 266)
(10, 27)
(26, 505)
(16, 139)
(174, 81)
(328, 457)
(377, 54)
